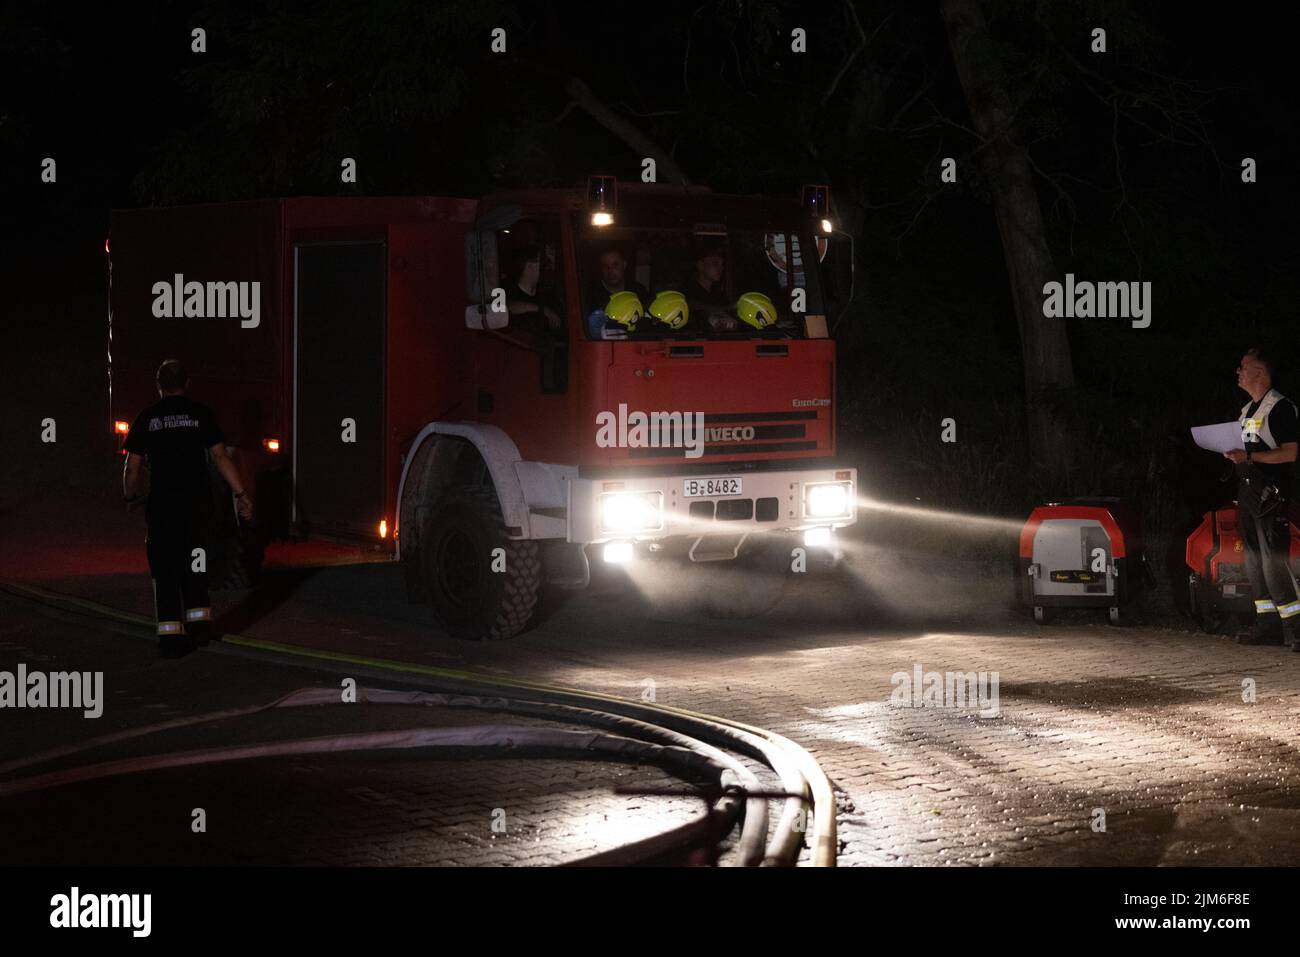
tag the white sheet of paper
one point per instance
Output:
(1223, 437)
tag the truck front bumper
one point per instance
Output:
(654, 508)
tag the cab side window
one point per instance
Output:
(532, 265)
(532, 275)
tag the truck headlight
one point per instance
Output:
(631, 511)
(828, 500)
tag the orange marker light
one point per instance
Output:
(121, 428)
(383, 528)
(271, 445)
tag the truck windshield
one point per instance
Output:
(689, 284)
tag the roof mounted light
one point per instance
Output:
(602, 199)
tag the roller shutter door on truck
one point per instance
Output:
(339, 317)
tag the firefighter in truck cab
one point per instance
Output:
(172, 437)
(1265, 487)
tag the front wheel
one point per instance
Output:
(481, 584)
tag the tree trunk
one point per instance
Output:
(1044, 345)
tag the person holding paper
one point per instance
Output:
(1265, 465)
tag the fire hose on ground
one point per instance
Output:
(673, 731)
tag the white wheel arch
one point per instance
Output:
(521, 486)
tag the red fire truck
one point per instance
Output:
(445, 379)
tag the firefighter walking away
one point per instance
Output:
(175, 437)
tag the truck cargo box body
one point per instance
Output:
(237, 371)
(345, 330)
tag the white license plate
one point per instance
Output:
(695, 488)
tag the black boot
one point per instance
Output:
(1262, 632)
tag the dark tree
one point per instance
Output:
(1046, 350)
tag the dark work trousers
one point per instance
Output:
(1267, 543)
(177, 521)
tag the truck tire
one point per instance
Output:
(457, 556)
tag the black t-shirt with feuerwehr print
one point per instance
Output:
(174, 434)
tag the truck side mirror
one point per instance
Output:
(482, 270)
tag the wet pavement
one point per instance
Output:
(1131, 745)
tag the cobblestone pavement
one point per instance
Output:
(1145, 725)
(481, 806)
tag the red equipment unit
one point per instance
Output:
(1217, 585)
(1087, 553)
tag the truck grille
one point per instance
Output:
(736, 433)
(736, 510)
